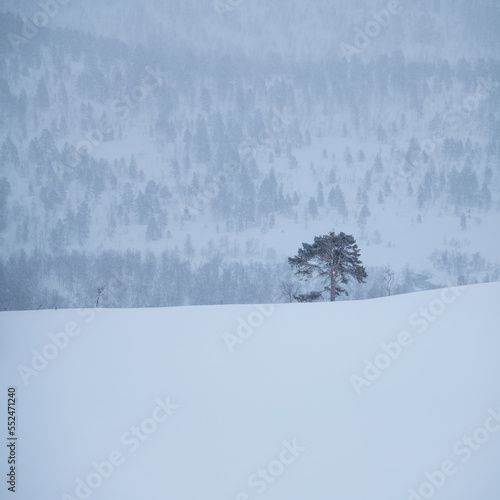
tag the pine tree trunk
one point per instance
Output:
(332, 289)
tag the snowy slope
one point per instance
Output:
(285, 415)
(225, 133)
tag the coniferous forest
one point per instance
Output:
(177, 153)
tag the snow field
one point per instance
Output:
(152, 403)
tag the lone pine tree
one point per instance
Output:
(334, 259)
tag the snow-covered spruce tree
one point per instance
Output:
(334, 259)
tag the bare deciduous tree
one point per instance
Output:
(99, 290)
(289, 289)
(388, 277)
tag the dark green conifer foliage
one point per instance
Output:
(334, 259)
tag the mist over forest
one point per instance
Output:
(169, 153)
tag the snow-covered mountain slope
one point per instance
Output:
(354, 400)
(195, 145)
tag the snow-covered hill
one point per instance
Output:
(353, 400)
(188, 148)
